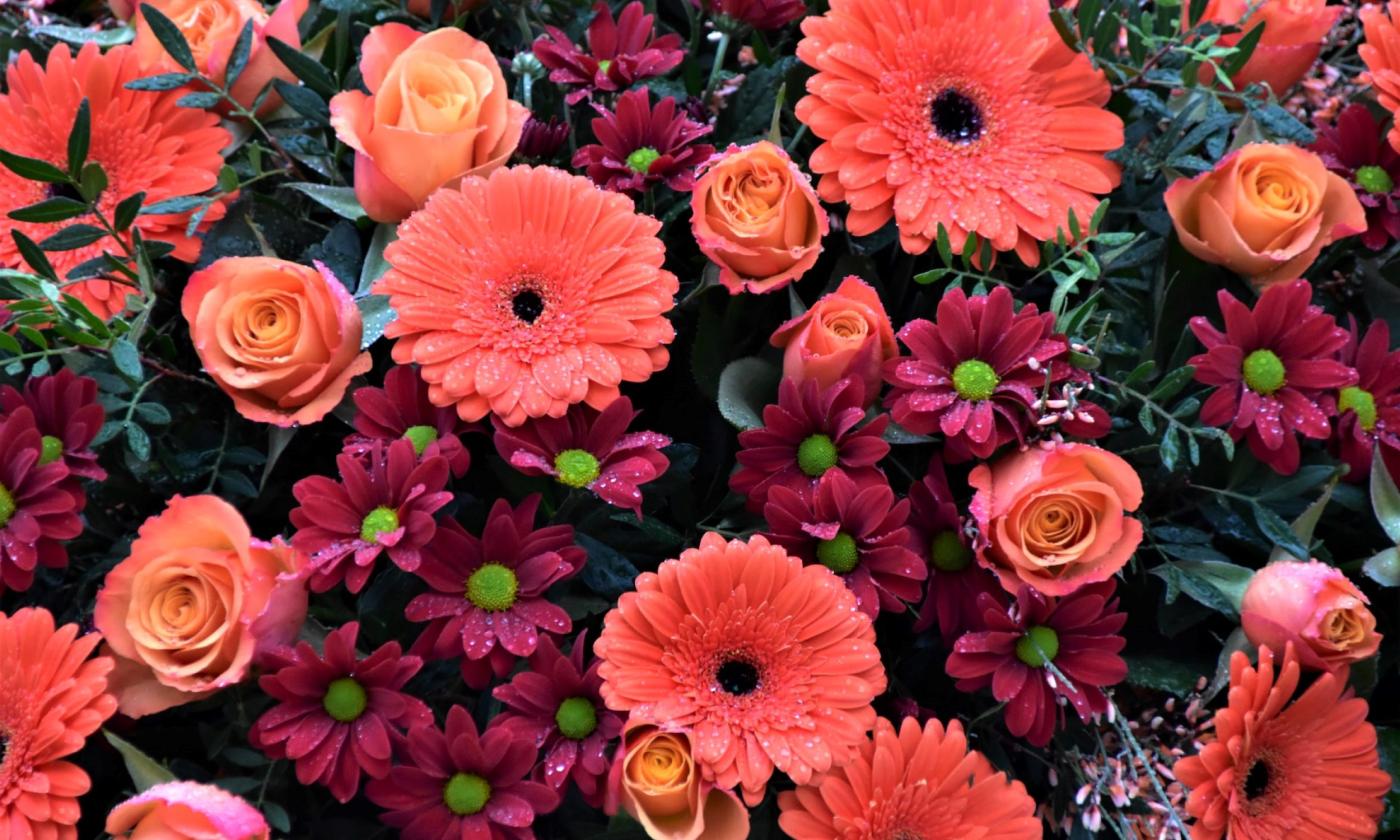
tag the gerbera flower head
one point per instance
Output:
(1352, 148)
(1271, 368)
(955, 580)
(1286, 762)
(402, 409)
(1077, 633)
(1381, 51)
(640, 146)
(619, 52)
(1369, 411)
(459, 782)
(528, 292)
(38, 504)
(384, 506)
(589, 449)
(811, 432)
(760, 14)
(855, 529)
(143, 141)
(67, 415)
(976, 371)
(337, 714)
(916, 781)
(970, 115)
(765, 662)
(558, 706)
(52, 697)
(487, 601)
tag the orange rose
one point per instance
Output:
(1264, 212)
(1054, 517)
(755, 214)
(1314, 606)
(438, 110)
(211, 27)
(655, 777)
(187, 811)
(281, 339)
(1293, 34)
(846, 333)
(195, 602)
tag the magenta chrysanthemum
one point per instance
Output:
(620, 52)
(1368, 412)
(955, 580)
(640, 146)
(402, 409)
(38, 504)
(68, 416)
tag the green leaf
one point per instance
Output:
(1161, 674)
(303, 100)
(33, 255)
(202, 100)
(145, 771)
(80, 138)
(339, 200)
(73, 237)
(127, 211)
(1244, 48)
(169, 36)
(51, 210)
(33, 169)
(1214, 584)
(179, 204)
(127, 360)
(375, 314)
(897, 435)
(1172, 384)
(375, 265)
(1277, 531)
(79, 35)
(1383, 567)
(1385, 497)
(1306, 523)
(161, 81)
(92, 181)
(238, 58)
(745, 386)
(304, 67)
(607, 572)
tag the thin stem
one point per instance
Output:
(219, 460)
(720, 50)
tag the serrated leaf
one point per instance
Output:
(145, 771)
(745, 386)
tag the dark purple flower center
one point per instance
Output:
(956, 117)
(737, 677)
(1258, 779)
(527, 305)
(59, 189)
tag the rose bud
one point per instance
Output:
(1314, 606)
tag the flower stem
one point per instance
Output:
(720, 51)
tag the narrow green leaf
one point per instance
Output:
(127, 211)
(339, 200)
(145, 771)
(51, 210)
(33, 169)
(33, 255)
(1385, 497)
(92, 181)
(79, 139)
(1277, 531)
(238, 58)
(138, 442)
(80, 35)
(303, 100)
(201, 100)
(169, 36)
(179, 204)
(1172, 384)
(304, 67)
(161, 81)
(73, 237)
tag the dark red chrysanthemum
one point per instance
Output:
(856, 529)
(68, 416)
(556, 705)
(955, 580)
(540, 139)
(1076, 633)
(809, 433)
(338, 714)
(1273, 369)
(760, 14)
(620, 52)
(640, 146)
(487, 603)
(589, 449)
(401, 409)
(459, 784)
(384, 505)
(1369, 411)
(38, 504)
(1355, 148)
(976, 371)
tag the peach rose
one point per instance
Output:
(655, 777)
(1314, 606)
(438, 110)
(187, 811)
(1265, 212)
(755, 214)
(195, 603)
(1054, 517)
(1293, 34)
(846, 333)
(281, 339)
(211, 27)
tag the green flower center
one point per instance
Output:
(1359, 400)
(1038, 647)
(52, 450)
(576, 718)
(816, 455)
(7, 506)
(604, 64)
(1374, 180)
(839, 553)
(576, 468)
(381, 520)
(492, 588)
(975, 380)
(641, 160)
(420, 437)
(345, 700)
(466, 794)
(1263, 372)
(949, 554)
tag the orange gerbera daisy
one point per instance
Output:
(1306, 772)
(1381, 52)
(764, 662)
(527, 292)
(51, 698)
(970, 114)
(917, 782)
(143, 140)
